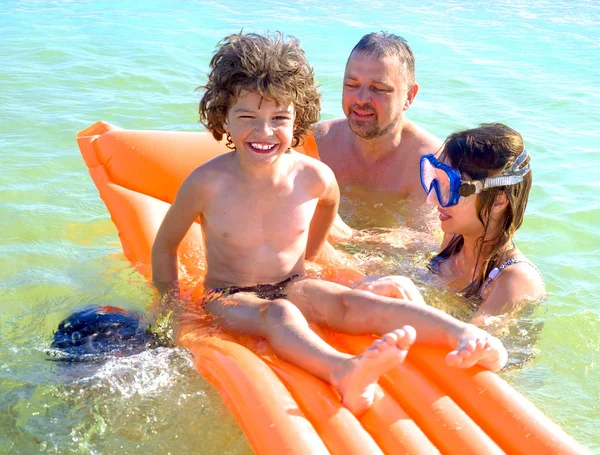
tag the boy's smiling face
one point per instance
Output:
(260, 128)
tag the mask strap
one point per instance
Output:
(522, 157)
(511, 176)
(466, 189)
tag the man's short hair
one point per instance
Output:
(384, 44)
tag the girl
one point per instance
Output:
(481, 183)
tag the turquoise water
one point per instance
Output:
(64, 65)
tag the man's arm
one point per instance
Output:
(180, 216)
(323, 217)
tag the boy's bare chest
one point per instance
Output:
(281, 213)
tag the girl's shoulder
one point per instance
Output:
(512, 283)
(516, 267)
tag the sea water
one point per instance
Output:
(67, 64)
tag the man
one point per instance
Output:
(376, 146)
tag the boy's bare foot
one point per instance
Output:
(476, 346)
(357, 377)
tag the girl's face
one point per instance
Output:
(461, 218)
(260, 128)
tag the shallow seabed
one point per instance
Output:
(67, 64)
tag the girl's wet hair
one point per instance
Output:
(483, 152)
(271, 65)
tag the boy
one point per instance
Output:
(264, 208)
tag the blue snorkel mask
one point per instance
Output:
(449, 187)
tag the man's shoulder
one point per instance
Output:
(327, 130)
(330, 136)
(421, 139)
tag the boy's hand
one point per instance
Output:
(168, 292)
(163, 288)
(162, 318)
(340, 232)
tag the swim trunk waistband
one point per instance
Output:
(262, 291)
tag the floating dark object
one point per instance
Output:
(94, 332)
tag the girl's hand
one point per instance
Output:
(397, 287)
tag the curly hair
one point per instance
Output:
(270, 65)
(484, 152)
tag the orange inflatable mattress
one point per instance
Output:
(421, 407)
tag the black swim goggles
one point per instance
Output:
(449, 187)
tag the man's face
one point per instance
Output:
(375, 95)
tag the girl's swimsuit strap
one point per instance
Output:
(496, 271)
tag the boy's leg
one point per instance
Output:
(357, 312)
(284, 326)
(281, 324)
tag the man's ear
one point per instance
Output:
(411, 94)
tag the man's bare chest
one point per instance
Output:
(392, 176)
